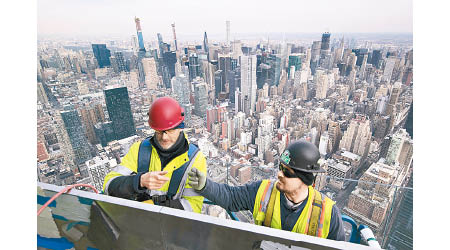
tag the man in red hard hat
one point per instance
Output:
(155, 170)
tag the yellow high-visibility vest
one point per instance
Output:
(190, 200)
(314, 220)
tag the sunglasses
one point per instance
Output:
(286, 172)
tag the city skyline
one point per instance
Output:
(112, 18)
(269, 77)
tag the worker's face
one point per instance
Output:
(167, 138)
(286, 184)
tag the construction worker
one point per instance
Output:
(155, 170)
(289, 203)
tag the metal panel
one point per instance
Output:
(123, 224)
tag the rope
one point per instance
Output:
(65, 190)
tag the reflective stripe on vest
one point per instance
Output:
(186, 205)
(321, 210)
(120, 170)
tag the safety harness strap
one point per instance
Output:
(269, 213)
(178, 174)
(144, 155)
(313, 220)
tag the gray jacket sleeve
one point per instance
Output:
(336, 225)
(231, 198)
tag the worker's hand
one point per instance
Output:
(197, 179)
(154, 180)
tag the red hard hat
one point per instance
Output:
(165, 113)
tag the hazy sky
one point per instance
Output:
(114, 17)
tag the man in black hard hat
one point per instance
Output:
(294, 205)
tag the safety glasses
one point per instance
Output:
(286, 172)
(169, 132)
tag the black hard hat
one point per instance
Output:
(302, 156)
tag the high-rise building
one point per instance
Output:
(334, 134)
(102, 55)
(201, 98)
(219, 83)
(119, 110)
(205, 45)
(376, 58)
(180, 87)
(248, 80)
(194, 66)
(150, 72)
(389, 68)
(275, 69)
(170, 59)
(225, 65)
(120, 61)
(41, 95)
(139, 34)
(395, 148)
(321, 80)
(296, 61)
(401, 234)
(406, 153)
(77, 136)
(356, 138)
(174, 36)
(325, 44)
(91, 115)
(104, 132)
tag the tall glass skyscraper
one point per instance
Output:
(325, 44)
(139, 34)
(77, 136)
(102, 54)
(119, 110)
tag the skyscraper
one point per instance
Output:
(77, 136)
(139, 34)
(218, 83)
(180, 87)
(325, 44)
(201, 99)
(194, 66)
(205, 45)
(376, 58)
(356, 138)
(389, 68)
(119, 110)
(321, 80)
(102, 54)
(91, 115)
(170, 59)
(120, 61)
(150, 72)
(294, 60)
(248, 80)
(174, 36)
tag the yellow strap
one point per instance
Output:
(316, 211)
(271, 205)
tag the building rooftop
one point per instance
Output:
(350, 155)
